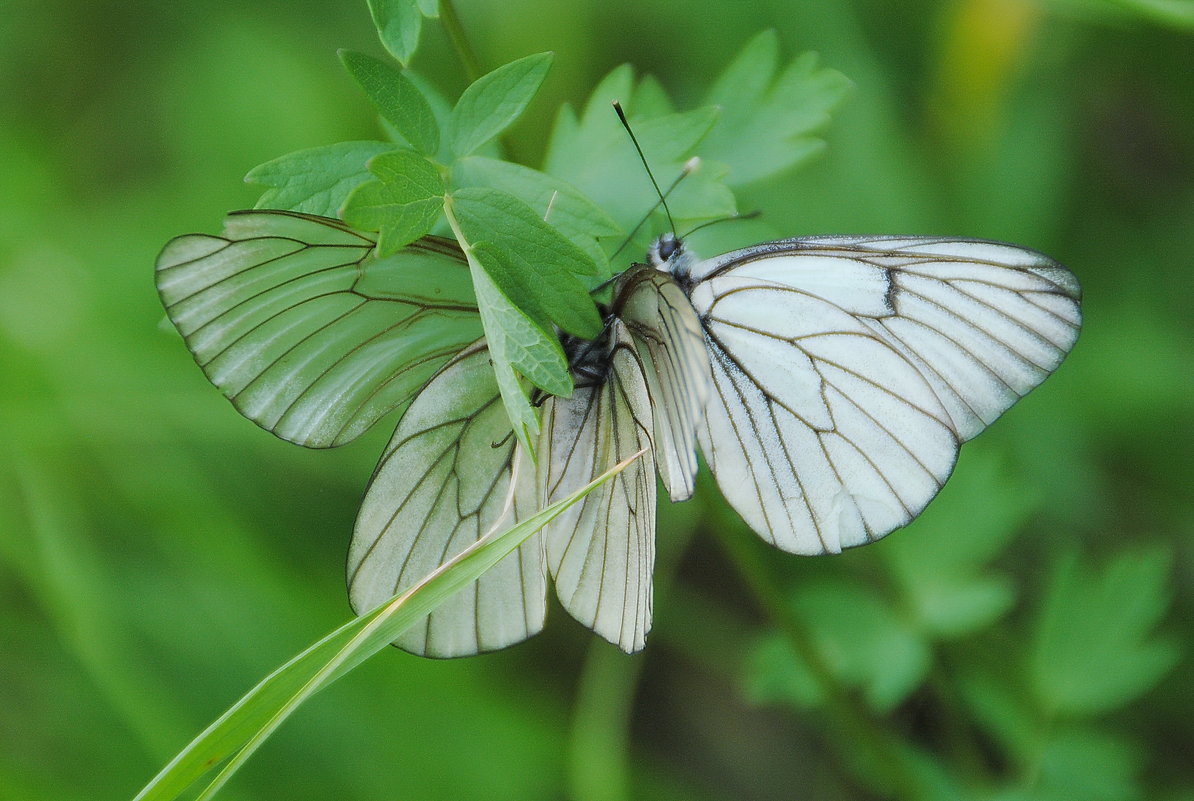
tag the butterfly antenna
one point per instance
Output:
(646, 166)
(750, 215)
(689, 168)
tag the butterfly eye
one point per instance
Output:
(668, 245)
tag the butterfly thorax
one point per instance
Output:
(588, 359)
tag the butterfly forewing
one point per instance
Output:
(444, 481)
(847, 371)
(668, 338)
(306, 333)
(601, 552)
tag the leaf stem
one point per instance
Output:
(857, 726)
(464, 51)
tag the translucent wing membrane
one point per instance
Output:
(668, 337)
(452, 472)
(847, 371)
(306, 333)
(601, 552)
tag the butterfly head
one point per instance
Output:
(668, 254)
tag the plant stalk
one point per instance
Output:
(845, 710)
(464, 51)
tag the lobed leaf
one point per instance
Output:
(515, 343)
(768, 120)
(317, 180)
(1094, 648)
(533, 350)
(941, 564)
(596, 156)
(860, 639)
(402, 205)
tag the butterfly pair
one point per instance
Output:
(828, 381)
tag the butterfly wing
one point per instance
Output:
(451, 472)
(847, 371)
(601, 551)
(308, 335)
(668, 338)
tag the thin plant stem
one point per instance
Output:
(599, 743)
(856, 724)
(464, 51)
(599, 746)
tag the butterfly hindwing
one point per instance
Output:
(601, 552)
(443, 482)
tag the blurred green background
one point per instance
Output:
(1028, 638)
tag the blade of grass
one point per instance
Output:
(256, 715)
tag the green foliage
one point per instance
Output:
(543, 238)
(399, 23)
(536, 265)
(555, 201)
(515, 342)
(1034, 699)
(594, 154)
(397, 99)
(769, 116)
(860, 637)
(1095, 649)
(317, 180)
(943, 568)
(402, 205)
(494, 101)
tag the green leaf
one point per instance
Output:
(402, 205)
(515, 343)
(316, 180)
(441, 110)
(999, 704)
(594, 154)
(768, 120)
(430, 8)
(553, 200)
(494, 101)
(398, 23)
(1088, 764)
(533, 264)
(533, 350)
(397, 99)
(941, 561)
(307, 333)
(860, 640)
(242, 729)
(1094, 649)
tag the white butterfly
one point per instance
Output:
(848, 370)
